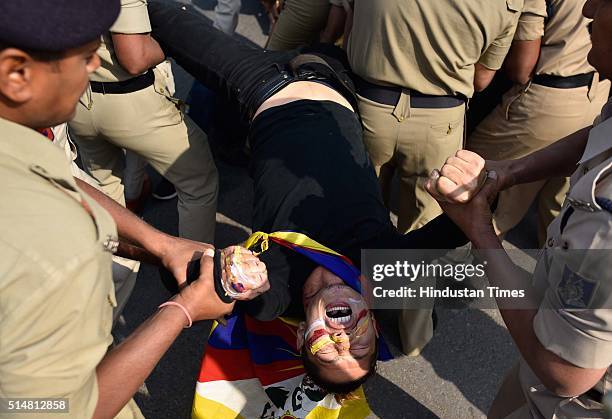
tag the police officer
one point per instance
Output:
(128, 105)
(56, 292)
(565, 338)
(556, 93)
(417, 62)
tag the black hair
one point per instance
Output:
(342, 389)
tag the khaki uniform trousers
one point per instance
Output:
(149, 123)
(411, 142)
(299, 24)
(529, 118)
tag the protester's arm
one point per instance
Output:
(557, 374)
(522, 59)
(173, 252)
(137, 52)
(125, 368)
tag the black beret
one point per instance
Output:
(54, 25)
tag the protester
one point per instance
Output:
(311, 172)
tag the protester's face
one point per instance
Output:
(339, 328)
(601, 35)
(46, 91)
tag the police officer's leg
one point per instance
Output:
(134, 175)
(178, 149)
(427, 138)
(513, 204)
(380, 130)
(298, 24)
(104, 160)
(226, 15)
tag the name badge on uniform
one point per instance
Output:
(575, 291)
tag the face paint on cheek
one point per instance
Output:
(355, 300)
(316, 335)
(317, 323)
(362, 326)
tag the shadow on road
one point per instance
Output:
(381, 391)
(468, 349)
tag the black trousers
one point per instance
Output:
(242, 73)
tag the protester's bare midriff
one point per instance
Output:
(301, 90)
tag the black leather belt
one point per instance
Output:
(389, 95)
(126, 86)
(559, 82)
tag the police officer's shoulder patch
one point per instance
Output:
(575, 291)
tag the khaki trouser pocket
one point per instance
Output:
(164, 86)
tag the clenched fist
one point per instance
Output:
(243, 275)
(459, 179)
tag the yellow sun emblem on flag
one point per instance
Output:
(288, 415)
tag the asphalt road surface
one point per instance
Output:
(456, 376)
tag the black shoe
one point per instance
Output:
(164, 190)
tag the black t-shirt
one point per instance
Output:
(312, 175)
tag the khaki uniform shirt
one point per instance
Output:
(133, 19)
(575, 317)
(531, 23)
(566, 40)
(56, 292)
(430, 46)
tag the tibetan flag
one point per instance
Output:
(252, 369)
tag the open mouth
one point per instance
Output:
(339, 314)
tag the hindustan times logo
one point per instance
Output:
(414, 271)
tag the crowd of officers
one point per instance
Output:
(417, 66)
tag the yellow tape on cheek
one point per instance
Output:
(340, 339)
(320, 343)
